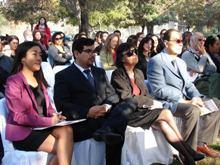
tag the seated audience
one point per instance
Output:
(58, 53)
(201, 67)
(186, 40)
(103, 36)
(196, 57)
(170, 83)
(44, 29)
(29, 107)
(145, 50)
(28, 35)
(5, 69)
(129, 83)
(140, 36)
(38, 38)
(13, 42)
(98, 39)
(108, 52)
(133, 40)
(83, 91)
(156, 43)
(212, 47)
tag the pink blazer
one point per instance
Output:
(22, 105)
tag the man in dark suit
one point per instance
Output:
(83, 91)
(170, 83)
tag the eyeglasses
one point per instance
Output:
(201, 39)
(130, 53)
(89, 50)
(178, 41)
(60, 38)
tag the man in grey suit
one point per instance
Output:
(170, 83)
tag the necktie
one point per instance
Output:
(89, 77)
(175, 66)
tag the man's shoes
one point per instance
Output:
(208, 151)
(106, 135)
(196, 155)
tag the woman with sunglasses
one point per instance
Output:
(129, 84)
(58, 53)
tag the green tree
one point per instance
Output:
(29, 11)
(199, 13)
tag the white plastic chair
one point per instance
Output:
(58, 68)
(144, 147)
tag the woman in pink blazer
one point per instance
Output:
(29, 107)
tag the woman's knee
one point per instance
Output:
(160, 124)
(166, 115)
(63, 131)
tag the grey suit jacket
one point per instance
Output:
(167, 84)
(200, 64)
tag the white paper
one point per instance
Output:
(62, 123)
(209, 107)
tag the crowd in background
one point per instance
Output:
(200, 53)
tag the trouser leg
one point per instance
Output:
(113, 154)
(190, 127)
(209, 128)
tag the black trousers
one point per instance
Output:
(116, 120)
(1, 149)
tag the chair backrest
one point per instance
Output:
(48, 73)
(109, 74)
(58, 68)
(8, 146)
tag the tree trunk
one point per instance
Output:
(74, 8)
(150, 28)
(142, 28)
(32, 26)
(84, 26)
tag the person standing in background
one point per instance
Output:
(45, 30)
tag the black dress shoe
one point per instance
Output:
(186, 161)
(107, 136)
(196, 155)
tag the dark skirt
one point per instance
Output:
(143, 117)
(33, 141)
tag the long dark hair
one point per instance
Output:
(20, 53)
(122, 48)
(45, 24)
(141, 46)
(210, 40)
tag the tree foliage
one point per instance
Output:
(199, 13)
(116, 13)
(30, 10)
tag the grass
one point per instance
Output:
(208, 160)
(212, 161)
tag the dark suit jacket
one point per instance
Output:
(74, 96)
(121, 82)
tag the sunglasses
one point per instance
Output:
(201, 39)
(130, 53)
(89, 50)
(59, 38)
(178, 41)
